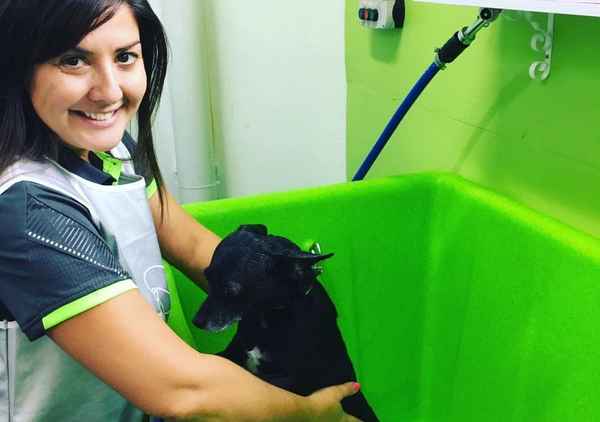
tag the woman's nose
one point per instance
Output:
(106, 86)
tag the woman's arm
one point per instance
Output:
(184, 242)
(124, 343)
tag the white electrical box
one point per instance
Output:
(568, 7)
(381, 14)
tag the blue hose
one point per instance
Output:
(395, 120)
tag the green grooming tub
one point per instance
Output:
(456, 303)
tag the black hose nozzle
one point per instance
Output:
(452, 49)
(463, 38)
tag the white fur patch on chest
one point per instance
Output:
(254, 358)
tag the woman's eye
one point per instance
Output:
(127, 58)
(71, 61)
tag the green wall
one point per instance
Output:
(483, 117)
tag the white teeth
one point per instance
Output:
(99, 116)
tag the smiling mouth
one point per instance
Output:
(98, 117)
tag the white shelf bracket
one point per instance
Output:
(542, 42)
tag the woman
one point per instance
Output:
(81, 232)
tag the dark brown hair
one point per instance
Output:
(35, 31)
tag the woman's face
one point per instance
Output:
(88, 95)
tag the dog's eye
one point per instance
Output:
(233, 289)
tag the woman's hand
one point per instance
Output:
(160, 374)
(326, 403)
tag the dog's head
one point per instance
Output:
(254, 271)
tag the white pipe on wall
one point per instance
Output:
(188, 102)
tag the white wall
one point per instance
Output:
(256, 91)
(278, 90)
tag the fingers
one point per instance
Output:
(341, 391)
(348, 389)
(327, 404)
(345, 390)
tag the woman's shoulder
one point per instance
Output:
(51, 254)
(26, 199)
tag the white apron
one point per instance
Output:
(38, 381)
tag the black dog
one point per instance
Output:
(288, 334)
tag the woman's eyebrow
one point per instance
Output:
(128, 46)
(83, 51)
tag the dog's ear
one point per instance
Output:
(298, 264)
(254, 228)
(308, 258)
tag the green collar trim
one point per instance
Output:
(151, 188)
(111, 165)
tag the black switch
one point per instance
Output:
(373, 15)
